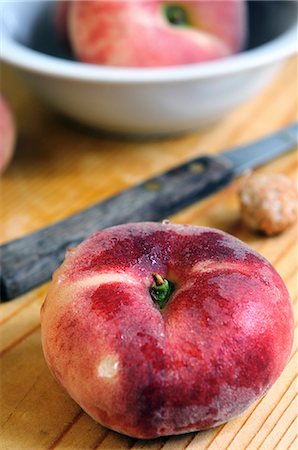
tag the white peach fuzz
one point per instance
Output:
(158, 329)
(7, 134)
(154, 33)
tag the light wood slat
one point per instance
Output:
(10, 309)
(289, 440)
(282, 264)
(282, 245)
(203, 439)
(115, 441)
(14, 376)
(155, 444)
(266, 427)
(33, 407)
(84, 433)
(22, 323)
(293, 446)
(178, 442)
(292, 288)
(278, 431)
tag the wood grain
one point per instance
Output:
(60, 168)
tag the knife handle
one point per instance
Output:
(30, 261)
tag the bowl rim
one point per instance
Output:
(25, 58)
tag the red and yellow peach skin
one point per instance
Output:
(220, 342)
(143, 33)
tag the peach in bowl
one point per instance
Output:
(126, 89)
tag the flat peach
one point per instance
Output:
(147, 358)
(155, 33)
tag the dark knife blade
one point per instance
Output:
(29, 261)
(261, 151)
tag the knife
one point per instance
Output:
(30, 261)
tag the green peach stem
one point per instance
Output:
(161, 290)
(176, 15)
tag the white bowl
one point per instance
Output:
(145, 101)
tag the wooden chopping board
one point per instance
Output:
(59, 169)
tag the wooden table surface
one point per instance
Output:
(60, 168)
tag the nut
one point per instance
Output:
(268, 203)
